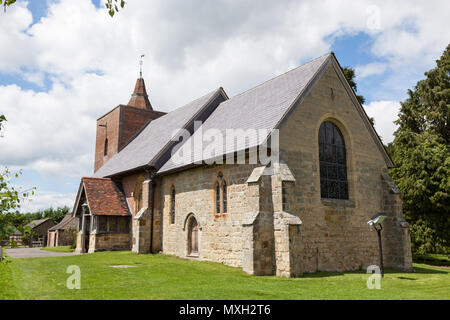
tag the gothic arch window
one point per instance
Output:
(333, 162)
(172, 205)
(220, 195)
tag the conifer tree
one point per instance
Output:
(421, 154)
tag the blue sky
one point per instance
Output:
(66, 62)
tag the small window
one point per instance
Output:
(220, 195)
(217, 197)
(224, 196)
(284, 195)
(105, 150)
(172, 206)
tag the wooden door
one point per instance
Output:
(193, 237)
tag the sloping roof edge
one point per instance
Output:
(221, 91)
(151, 162)
(33, 225)
(337, 67)
(363, 114)
(83, 188)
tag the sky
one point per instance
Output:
(65, 63)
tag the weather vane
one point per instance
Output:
(141, 62)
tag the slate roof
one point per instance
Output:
(104, 197)
(262, 107)
(68, 222)
(153, 138)
(36, 223)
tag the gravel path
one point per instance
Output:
(35, 253)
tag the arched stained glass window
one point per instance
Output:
(333, 163)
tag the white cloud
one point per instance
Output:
(384, 113)
(191, 48)
(47, 200)
(370, 69)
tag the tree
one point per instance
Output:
(111, 5)
(350, 74)
(10, 197)
(421, 152)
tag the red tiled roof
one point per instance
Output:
(104, 197)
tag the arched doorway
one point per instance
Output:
(192, 237)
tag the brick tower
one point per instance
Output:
(120, 125)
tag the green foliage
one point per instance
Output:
(2, 119)
(10, 199)
(12, 220)
(112, 6)
(349, 73)
(421, 153)
(7, 3)
(74, 238)
(27, 234)
(13, 244)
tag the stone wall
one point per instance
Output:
(334, 233)
(220, 236)
(396, 239)
(109, 241)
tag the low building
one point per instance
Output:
(63, 233)
(40, 227)
(17, 237)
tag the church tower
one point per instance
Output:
(120, 125)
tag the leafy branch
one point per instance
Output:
(111, 5)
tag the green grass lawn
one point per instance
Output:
(59, 249)
(167, 277)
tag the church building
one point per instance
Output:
(158, 188)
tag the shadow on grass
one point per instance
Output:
(429, 271)
(432, 259)
(417, 270)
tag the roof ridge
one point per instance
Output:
(95, 178)
(293, 69)
(184, 105)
